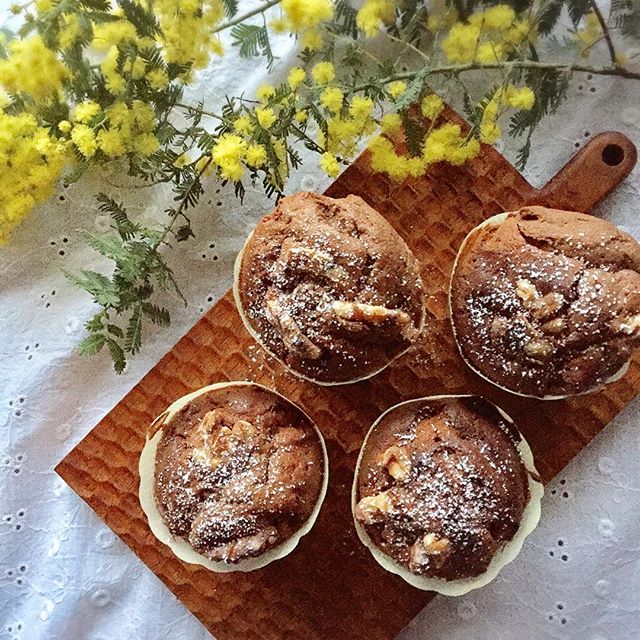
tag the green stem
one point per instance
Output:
(312, 142)
(189, 107)
(178, 212)
(605, 30)
(245, 16)
(515, 64)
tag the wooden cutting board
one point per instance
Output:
(330, 588)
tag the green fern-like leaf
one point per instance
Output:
(549, 16)
(157, 315)
(413, 90)
(577, 9)
(345, 17)
(133, 336)
(143, 19)
(98, 285)
(92, 344)
(247, 37)
(265, 46)
(115, 330)
(117, 355)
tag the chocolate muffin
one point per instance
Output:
(546, 303)
(232, 476)
(329, 288)
(445, 492)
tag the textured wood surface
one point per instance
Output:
(330, 588)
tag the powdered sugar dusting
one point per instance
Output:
(543, 314)
(237, 472)
(315, 253)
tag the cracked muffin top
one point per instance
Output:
(547, 303)
(329, 288)
(238, 471)
(441, 486)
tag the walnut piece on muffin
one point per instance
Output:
(546, 303)
(444, 486)
(329, 288)
(238, 471)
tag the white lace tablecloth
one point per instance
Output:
(65, 576)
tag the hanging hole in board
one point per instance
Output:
(613, 155)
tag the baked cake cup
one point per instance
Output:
(528, 522)
(261, 341)
(178, 545)
(496, 221)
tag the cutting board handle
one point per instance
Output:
(600, 166)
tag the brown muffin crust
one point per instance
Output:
(441, 486)
(548, 302)
(330, 288)
(238, 471)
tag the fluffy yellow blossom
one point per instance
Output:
(490, 52)
(264, 92)
(85, 111)
(490, 132)
(109, 67)
(137, 69)
(84, 139)
(487, 37)
(118, 114)
(186, 30)
(256, 155)
(344, 133)
(522, 98)
(109, 34)
(390, 122)
(521, 30)
(431, 106)
(374, 14)
(128, 129)
(500, 16)
(303, 14)
(266, 117)
(181, 161)
(361, 108)
(228, 154)
(331, 98)
(396, 89)
(30, 163)
(385, 160)
(296, 77)
(323, 73)
(461, 42)
(145, 144)
(203, 165)
(589, 34)
(216, 45)
(243, 125)
(330, 164)
(301, 116)
(70, 30)
(311, 39)
(143, 115)
(446, 143)
(32, 68)
(279, 25)
(64, 126)
(111, 143)
(157, 79)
